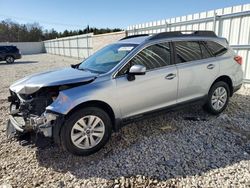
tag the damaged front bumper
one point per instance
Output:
(41, 124)
(28, 114)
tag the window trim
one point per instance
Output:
(172, 62)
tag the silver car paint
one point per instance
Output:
(101, 89)
(33, 83)
(190, 77)
(146, 92)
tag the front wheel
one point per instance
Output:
(86, 131)
(218, 98)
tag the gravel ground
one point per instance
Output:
(177, 149)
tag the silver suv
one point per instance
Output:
(79, 107)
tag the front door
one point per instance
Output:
(154, 90)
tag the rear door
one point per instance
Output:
(154, 90)
(197, 69)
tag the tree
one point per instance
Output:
(32, 32)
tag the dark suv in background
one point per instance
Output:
(9, 53)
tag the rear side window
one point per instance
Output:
(152, 57)
(215, 48)
(191, 51)
(204, 51)
(187, 51)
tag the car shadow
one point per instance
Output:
(183, 143)
(17, 62)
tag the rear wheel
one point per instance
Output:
(9, 59)
(218, 98)
(86, 131)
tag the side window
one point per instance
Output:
(216, 48)
(205, 52)
(7, 49)
(187, 51)
(152, 57)
(12, 49)
(124, 70)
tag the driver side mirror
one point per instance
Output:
(136, 70)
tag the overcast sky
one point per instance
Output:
(76, 14)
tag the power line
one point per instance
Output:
(41, 21)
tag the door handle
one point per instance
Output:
(210, 66)
(170, 76)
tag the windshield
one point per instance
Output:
(107, 58)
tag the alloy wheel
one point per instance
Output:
(10, 59)
(87, 132)
(219, 98)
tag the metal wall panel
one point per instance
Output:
(79, 46)
(232, 23)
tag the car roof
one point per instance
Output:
(138, 39)
(134, 40)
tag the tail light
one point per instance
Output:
(238, 59)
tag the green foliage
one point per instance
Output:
(13, 32)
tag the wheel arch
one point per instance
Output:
(99, 104)
(227, 80)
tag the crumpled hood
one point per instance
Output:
(33, 83)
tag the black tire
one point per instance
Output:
(9, 59)
(209, 106)
(65, 135)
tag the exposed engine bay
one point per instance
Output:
(28, 112)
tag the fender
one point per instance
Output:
(96, 91)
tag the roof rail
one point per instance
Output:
(183, 34)
(133, 36)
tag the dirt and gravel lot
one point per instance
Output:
(179, 149)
